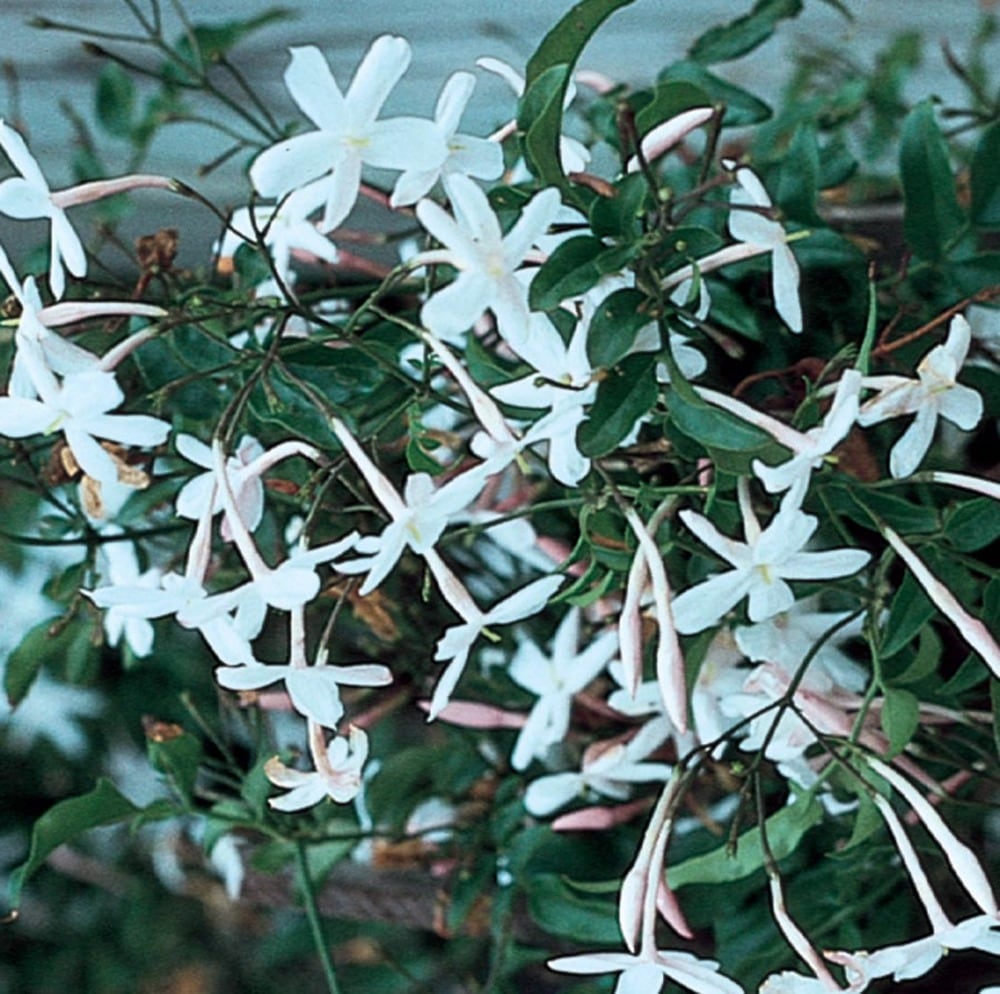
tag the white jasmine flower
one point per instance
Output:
(337, 774)
(228, 634)
(286, 229)
(752, 228)
(563, 383)
(248, 491)
(78, 407)
(817, 443)
(123, 570)
(606, 770)
(419, 523)
(646, 972)
(314, 690)
(349, 134)
(466, 154)
(555, 678)
(457, 641)
(29, 196)
(936, 393)
(761, 565)
(485, 258)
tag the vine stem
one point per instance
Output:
(315, 921)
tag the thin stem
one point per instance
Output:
(315, 921)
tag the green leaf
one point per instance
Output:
(282, 403)
(561, 910)
(900, 717)
(571, 270)
(619, 217)
(561, 47)
(210, 42)
(614, 327)
(911, 609)
(785, 829)
(798, 181)
(539, 118)
(973, 525)
(932, 218)
(627, 393)
(985, 179)
(866, 506)
(65, 645)
(901, 669)
(730, 41)
(177, 755)
(732, 442)
(670, 98)
(63, 822)
(742, 107)
(867, 821)
(115, 100)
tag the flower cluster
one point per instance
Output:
(589, 523)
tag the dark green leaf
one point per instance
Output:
(901, 669)
(900, 717)
(973, 525)
(911, 609)
(619, 216)
(561, 47)
(571, 270)
(539, 118)
(281, 403)
(798, 181)
(104, 805)
(730, 41)
(732, 442)
(627, 393)
(933, 218)
(669, 99)
(985, 179)
(177, 755)
(614, 327)
(867, 821)
(68, 646)
(785, 829)
(742, 107)
(561, 910)
(902, 515)
(206, 43)
(115, 100)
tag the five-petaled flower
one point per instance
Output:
(485, 258)
(935, 393)
(761, 565)
(349, 133)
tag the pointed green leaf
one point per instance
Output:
(900, 717)
(115, 100)
(670, 98)
(785, 829)
(985, 179)
(730, 41)
(629, 391)
(572, 269)
(742, 107)
(104, 805)
(933, 218)
(614, 327)
(561, 47)
(560, 910)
